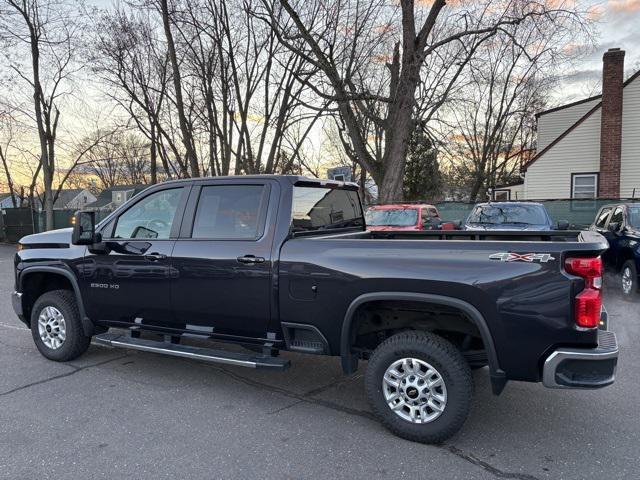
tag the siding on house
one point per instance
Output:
(552, 124)
(579, 152)
(630, 164)
(516, 191)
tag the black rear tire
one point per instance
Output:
(629, 294)
(75, 342)
(450, 364)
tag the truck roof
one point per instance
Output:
(291, 179)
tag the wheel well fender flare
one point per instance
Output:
(350, 361)
(87, 324)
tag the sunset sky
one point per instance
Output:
(617, 26)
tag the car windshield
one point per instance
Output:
(634, 216)
(400, 217)
(509, 214)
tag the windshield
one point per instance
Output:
(511, 214)
(400, 217)
(634, 216)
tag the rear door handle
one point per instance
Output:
(250, 259)
(155, 256)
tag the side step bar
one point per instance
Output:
(250, 360)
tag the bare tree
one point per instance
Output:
(342, 38)
(492, 125)
(133, 64)
(7, 133)
(185, 128)
(249, 90)
(49, 29)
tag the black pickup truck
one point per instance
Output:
(278, 263)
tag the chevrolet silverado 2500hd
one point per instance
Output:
(285, 263)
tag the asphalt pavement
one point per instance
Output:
(118, 414)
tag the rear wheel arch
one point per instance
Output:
(350, 360)
(38, 280)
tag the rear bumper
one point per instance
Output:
(583, 368)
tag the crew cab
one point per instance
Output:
(620, 224)
(276, 263)
(512, 216)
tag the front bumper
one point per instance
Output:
(583, 367)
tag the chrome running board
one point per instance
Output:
(250, 360)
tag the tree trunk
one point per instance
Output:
(187, 138)
(475, 189)
(154, 156)
(38, 100)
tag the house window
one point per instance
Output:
(584, 185)
(502, 195)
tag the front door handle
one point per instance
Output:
(250, 259)
(155, 256)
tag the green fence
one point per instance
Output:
(578, 212)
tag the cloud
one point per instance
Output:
(624, 6)
(585, 75)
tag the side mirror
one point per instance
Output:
(84, 228)
(563, 225)
(614, 227)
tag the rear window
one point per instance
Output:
(512, 214)
(319, 208)
(400, 217)
(634, 216)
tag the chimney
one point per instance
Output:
(611, 123)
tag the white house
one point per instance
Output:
(73, 198)
(590, 148)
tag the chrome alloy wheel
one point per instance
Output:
(414, 390)
(52, 328)
(627, 280)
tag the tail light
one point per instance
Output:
(589, 301)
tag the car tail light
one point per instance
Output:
(589, 301)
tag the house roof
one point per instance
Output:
(105, 197)
(568, 105)
(595, 108)
(67, 195)
(64, 197)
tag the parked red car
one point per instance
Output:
(405, 216)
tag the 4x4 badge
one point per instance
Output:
(522, 257)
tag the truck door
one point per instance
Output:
(223, 258)
(131, 283)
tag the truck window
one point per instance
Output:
(392, 217)
(151, 217)
(320, 208)
(492, 214)
(617, 217)
(230, 212)
(601, 221)
(634, 216)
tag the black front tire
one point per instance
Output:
(75, 342)
(450, 364)
(629, 292)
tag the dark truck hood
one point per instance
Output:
(55, 238)
(510, 227)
